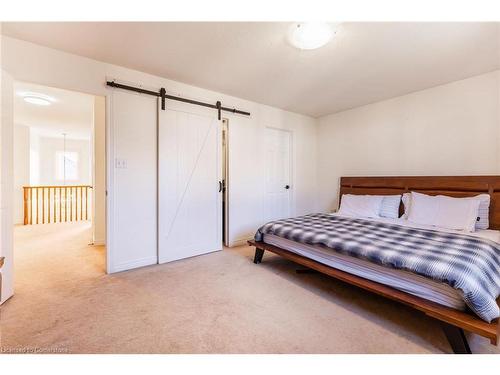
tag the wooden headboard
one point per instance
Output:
(453, 186)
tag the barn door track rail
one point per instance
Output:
(163, 95)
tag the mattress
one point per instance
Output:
(405, 281)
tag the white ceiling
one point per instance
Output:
(364, 63)
(71, 112)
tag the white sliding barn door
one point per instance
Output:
(133, 198)
(278, 174)
(190, 204)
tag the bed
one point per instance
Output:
(436, 299)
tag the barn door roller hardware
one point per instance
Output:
(163, 95)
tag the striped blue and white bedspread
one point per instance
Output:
(466, 263)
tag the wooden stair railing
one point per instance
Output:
(56, 204)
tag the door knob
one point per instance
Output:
(287, 187)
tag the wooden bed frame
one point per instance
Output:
(453, 322)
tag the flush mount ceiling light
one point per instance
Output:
(310, 35)
(36, 98)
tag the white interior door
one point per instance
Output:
(190, 201)
(278, 174)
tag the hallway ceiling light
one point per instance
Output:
(310, 35)
(36, 98)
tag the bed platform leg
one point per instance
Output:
(305, 271)
(259, 253)
(456, 338)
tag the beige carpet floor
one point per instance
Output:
(216, 303)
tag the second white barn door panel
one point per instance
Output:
(278, 145)
(189, 172)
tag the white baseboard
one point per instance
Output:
(240, 242)
(134, 264)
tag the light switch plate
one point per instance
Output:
(120, 163)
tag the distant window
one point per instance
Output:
(67, 166)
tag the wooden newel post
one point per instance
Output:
(25, 191)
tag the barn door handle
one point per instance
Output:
(287, 187)
(220, 186)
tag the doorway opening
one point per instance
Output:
(59, 179)
(225, 179)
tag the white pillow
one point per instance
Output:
(444, 212)
(390, 206)
(360, 205)
(483, 215)
(457, 213)
(423, 209)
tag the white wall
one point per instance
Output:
(31, 63)
(34, 158)
(21, 169)
(6, 176)
(35, 163)
(48, 147)
(453, 129)
(247, 167)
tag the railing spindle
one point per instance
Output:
(60, 204)
(48, 205)
(65, 204)
(86, 202)
(54, 203)
(31, 205)
(25, 196)
(75, 200)
(43, 205)
(36, 204)
(80, 200)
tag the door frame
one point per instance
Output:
(290, 132)
(225, 193)
(98, 241)
(110, 175)
(7, 218)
